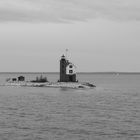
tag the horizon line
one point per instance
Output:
(100, 72)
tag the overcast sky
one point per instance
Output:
(101, 35)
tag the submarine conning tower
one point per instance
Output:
(67, 70)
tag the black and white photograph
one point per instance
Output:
(69, 70)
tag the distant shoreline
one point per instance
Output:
(116, 73)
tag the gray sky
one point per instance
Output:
(101, 35)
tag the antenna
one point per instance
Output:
(66, 53)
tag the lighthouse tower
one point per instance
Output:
(63, 65)
(67, 70)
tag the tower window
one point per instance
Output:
(70, 66)
(70, 71)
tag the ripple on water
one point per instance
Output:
(39, 114)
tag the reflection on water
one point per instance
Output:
(104, 113)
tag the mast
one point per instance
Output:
(66, 54)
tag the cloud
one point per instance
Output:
(68, 10)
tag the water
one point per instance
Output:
(111, 111)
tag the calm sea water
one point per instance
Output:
(111, 111)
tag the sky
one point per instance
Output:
(101, 35)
